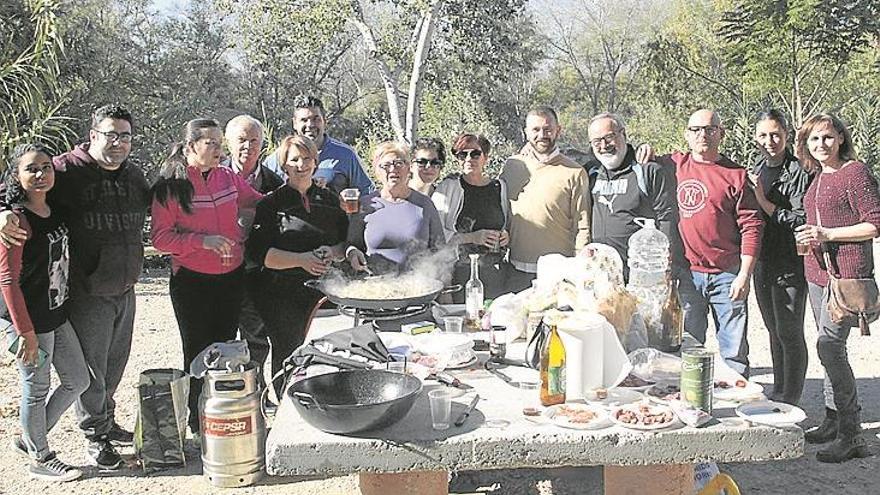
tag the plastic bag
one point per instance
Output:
(655, 366)
(161, 420)
(509, 311)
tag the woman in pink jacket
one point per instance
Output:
(195, 219)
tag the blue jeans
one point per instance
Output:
(705, 291)
(39, 415)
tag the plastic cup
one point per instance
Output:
(803, 248)
(397, 363)
(453, 324)
(226, 259)
(350, 198)
(441, 408)
(531, 398)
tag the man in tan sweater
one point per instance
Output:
(549, 200)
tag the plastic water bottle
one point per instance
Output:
(648, 255)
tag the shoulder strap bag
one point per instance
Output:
(851, 301)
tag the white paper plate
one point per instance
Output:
(734, 393)
(767, 412)
(600, 421)
(616, 397)
(655, 409)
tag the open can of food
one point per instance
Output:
(697, 380)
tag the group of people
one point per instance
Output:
(245, 235)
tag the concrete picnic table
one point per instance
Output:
(410, 457)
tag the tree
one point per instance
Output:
(455, 32)
(166, 70)
(30, 94)
(798, 50)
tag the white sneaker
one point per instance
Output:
(52, 469)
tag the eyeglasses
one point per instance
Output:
(606, 139)
(113, 136)
(389, 166)
(465, 154)
(425, 163)
(709, 130)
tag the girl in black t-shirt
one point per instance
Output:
(33, 280)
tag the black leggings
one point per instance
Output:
(285, 307)
(782, 300)
(207, 309)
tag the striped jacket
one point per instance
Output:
(216, 201)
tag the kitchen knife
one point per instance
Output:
(467, 412)
(449, 380)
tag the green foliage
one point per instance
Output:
(30, 93)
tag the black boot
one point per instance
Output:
(849, 443)
(825, 432)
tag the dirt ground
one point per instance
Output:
(157, 344)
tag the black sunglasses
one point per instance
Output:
(425, 163)
(465, 154)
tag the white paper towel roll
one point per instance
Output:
(583, 338)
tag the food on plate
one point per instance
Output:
(722, 384)
(601, 393)
(644, 415)
(632, 381)
(660, 391)
(575, 414)
(382, 287)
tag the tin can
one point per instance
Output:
(697, 378)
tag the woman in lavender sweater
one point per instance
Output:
(395, 222)
(843, 216)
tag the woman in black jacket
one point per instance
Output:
(780, 287)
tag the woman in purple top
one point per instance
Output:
(395, 221)
(843, 216)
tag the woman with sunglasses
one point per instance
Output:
(395, 221)
(843, 217)
(195, 219)
(428, 159)
(474, 210)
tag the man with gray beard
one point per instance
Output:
(624, 189)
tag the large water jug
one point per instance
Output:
(648, 254)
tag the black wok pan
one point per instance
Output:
(355, 400)
(359, 303)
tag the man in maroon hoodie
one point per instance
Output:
(720, 227)
(103, 198)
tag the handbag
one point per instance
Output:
(536, 345)
(853, 302)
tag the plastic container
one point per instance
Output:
(648, 250)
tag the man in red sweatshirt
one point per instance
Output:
(720, 227)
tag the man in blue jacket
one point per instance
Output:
(338, 164)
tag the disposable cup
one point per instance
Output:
(453, 324)
(531, 398)
(803, 248)
(441, 407)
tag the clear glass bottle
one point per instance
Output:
(473, 296)
(553, 370)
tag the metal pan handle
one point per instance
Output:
(450, 289)
(313, 284)
(307, 400)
